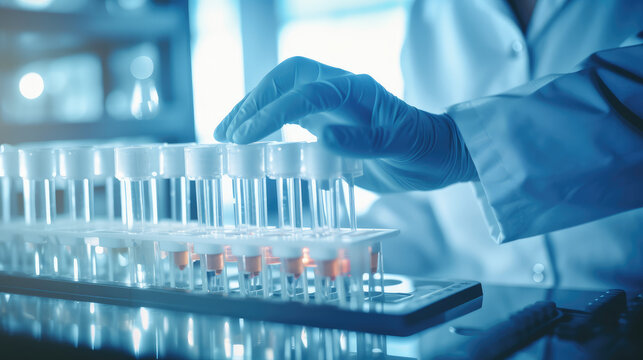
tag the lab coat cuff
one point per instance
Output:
(495, 180)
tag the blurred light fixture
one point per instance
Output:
(142, 67)
(31, 85)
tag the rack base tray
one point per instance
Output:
(407, 306)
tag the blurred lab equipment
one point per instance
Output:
(78, 69)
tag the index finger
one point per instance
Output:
(289, 74)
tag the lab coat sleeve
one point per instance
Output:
(561, 150)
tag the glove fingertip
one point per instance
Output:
(229, 132)
(219, 133)
(243, 133)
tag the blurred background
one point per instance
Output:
(235, 43)
(169, 70)
(79, 69)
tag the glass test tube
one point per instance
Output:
(251, 267)
(9, 173)
(38, 171)
(176, 269)
(76, 167)
(104, 172)
(293, 275)
(206, 164)
(246, 166)
(351, 168)
(9, 188)
(137, 167)
(172, 169)
(323, 170)
(376, 272)
(356, 265)
(110, 260)
(284, 163)
(329, 282)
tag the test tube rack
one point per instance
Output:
(322, 275)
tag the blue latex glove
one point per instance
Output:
(404, 148)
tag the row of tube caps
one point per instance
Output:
(139, 168)
(249, 270)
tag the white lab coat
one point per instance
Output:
(530, 148)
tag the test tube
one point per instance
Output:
(76, 167)
(206, 164)
(9, 188)
(293, 276)
(176, 258)
(104, 172)
(176, 265)
(284, 162)
(356, 264)
(250, 265)
(376, 272)
(329, 282)
(214, 277)
(110, 260)
(38, 171)
(351, 168)
(172, 169)
(246, 166)
(137, 167)
(323, 170)
(9, 173)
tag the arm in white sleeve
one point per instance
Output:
(560, 151)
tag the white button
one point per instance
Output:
(538, 272)
(517, 47)
(538, 268)
(538, 277)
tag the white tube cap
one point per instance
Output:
(205, 161)
(284, 160)
(76, 163)
(37, 164)
(137, 162)
(104, 161)
(9, 161)
(247, 161)
(319, 163)
(173, 160)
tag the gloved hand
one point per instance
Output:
(404, 148)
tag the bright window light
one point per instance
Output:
(35, 4)
(217, 63)
(364, 37)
